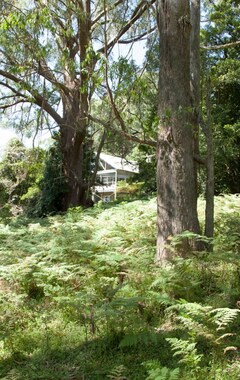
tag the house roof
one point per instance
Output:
(119, 163)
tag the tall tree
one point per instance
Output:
(176, 174)
(197, 119)
(221, 66)
(51, 56)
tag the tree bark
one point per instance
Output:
(176, 175)
(195, 75)
(73, 130)
(195, 92)
(209, 210)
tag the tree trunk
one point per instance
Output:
(195, 92)
(209, 210)
(176, 175)
(195, 74)
(72, 134)
(73, 130)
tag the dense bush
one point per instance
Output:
(20, 172)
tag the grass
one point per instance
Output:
(81, 298)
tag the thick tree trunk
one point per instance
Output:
(176, 175)
(72, 134)
(73, 171)
(73, 130)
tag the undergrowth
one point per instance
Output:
(82, 298)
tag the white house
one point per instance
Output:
(111, 170)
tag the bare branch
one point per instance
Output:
(138, 38)
(101, 14)
(200, 160)
(14, 90)
(223, 46)
(137, 13)
(20, 101)
(126, 135)
(38, 99)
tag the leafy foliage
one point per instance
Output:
(52, 186)
(156, 372)
(21, 171)
(222, 69)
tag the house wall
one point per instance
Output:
(106, 188)
(109, 178)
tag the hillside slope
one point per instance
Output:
(81, 298)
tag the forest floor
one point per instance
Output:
(81, 297)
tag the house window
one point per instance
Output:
(108, 180)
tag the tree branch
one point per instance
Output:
(93, 177)
(47, 73)
(126, 135)
(5, 106)
(137, 38)
(101, 14)
(137, 13)
(200, 160)
(14, 90)
(38, 99)
(116, 112)
(223, 46)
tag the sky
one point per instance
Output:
(6, 134)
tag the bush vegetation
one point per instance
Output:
(82, 298)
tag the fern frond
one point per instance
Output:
(187, 350)
(156, 372)
(118, 373)
(142, 337)
(223, 317)
(230, 348)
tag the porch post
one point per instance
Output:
(115, 191)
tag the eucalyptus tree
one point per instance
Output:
(179, 108)
(53, 57)
(176, 174)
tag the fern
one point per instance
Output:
(142, 337)
(188, 351)
(156, 372)
(117, 373)
(223, 317)
(94, 279)
(201, 321)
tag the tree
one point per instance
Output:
(221, 67)
(197, 119)
(176, 174)
(52, 56)
(21, 169)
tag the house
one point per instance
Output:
(112, 170)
